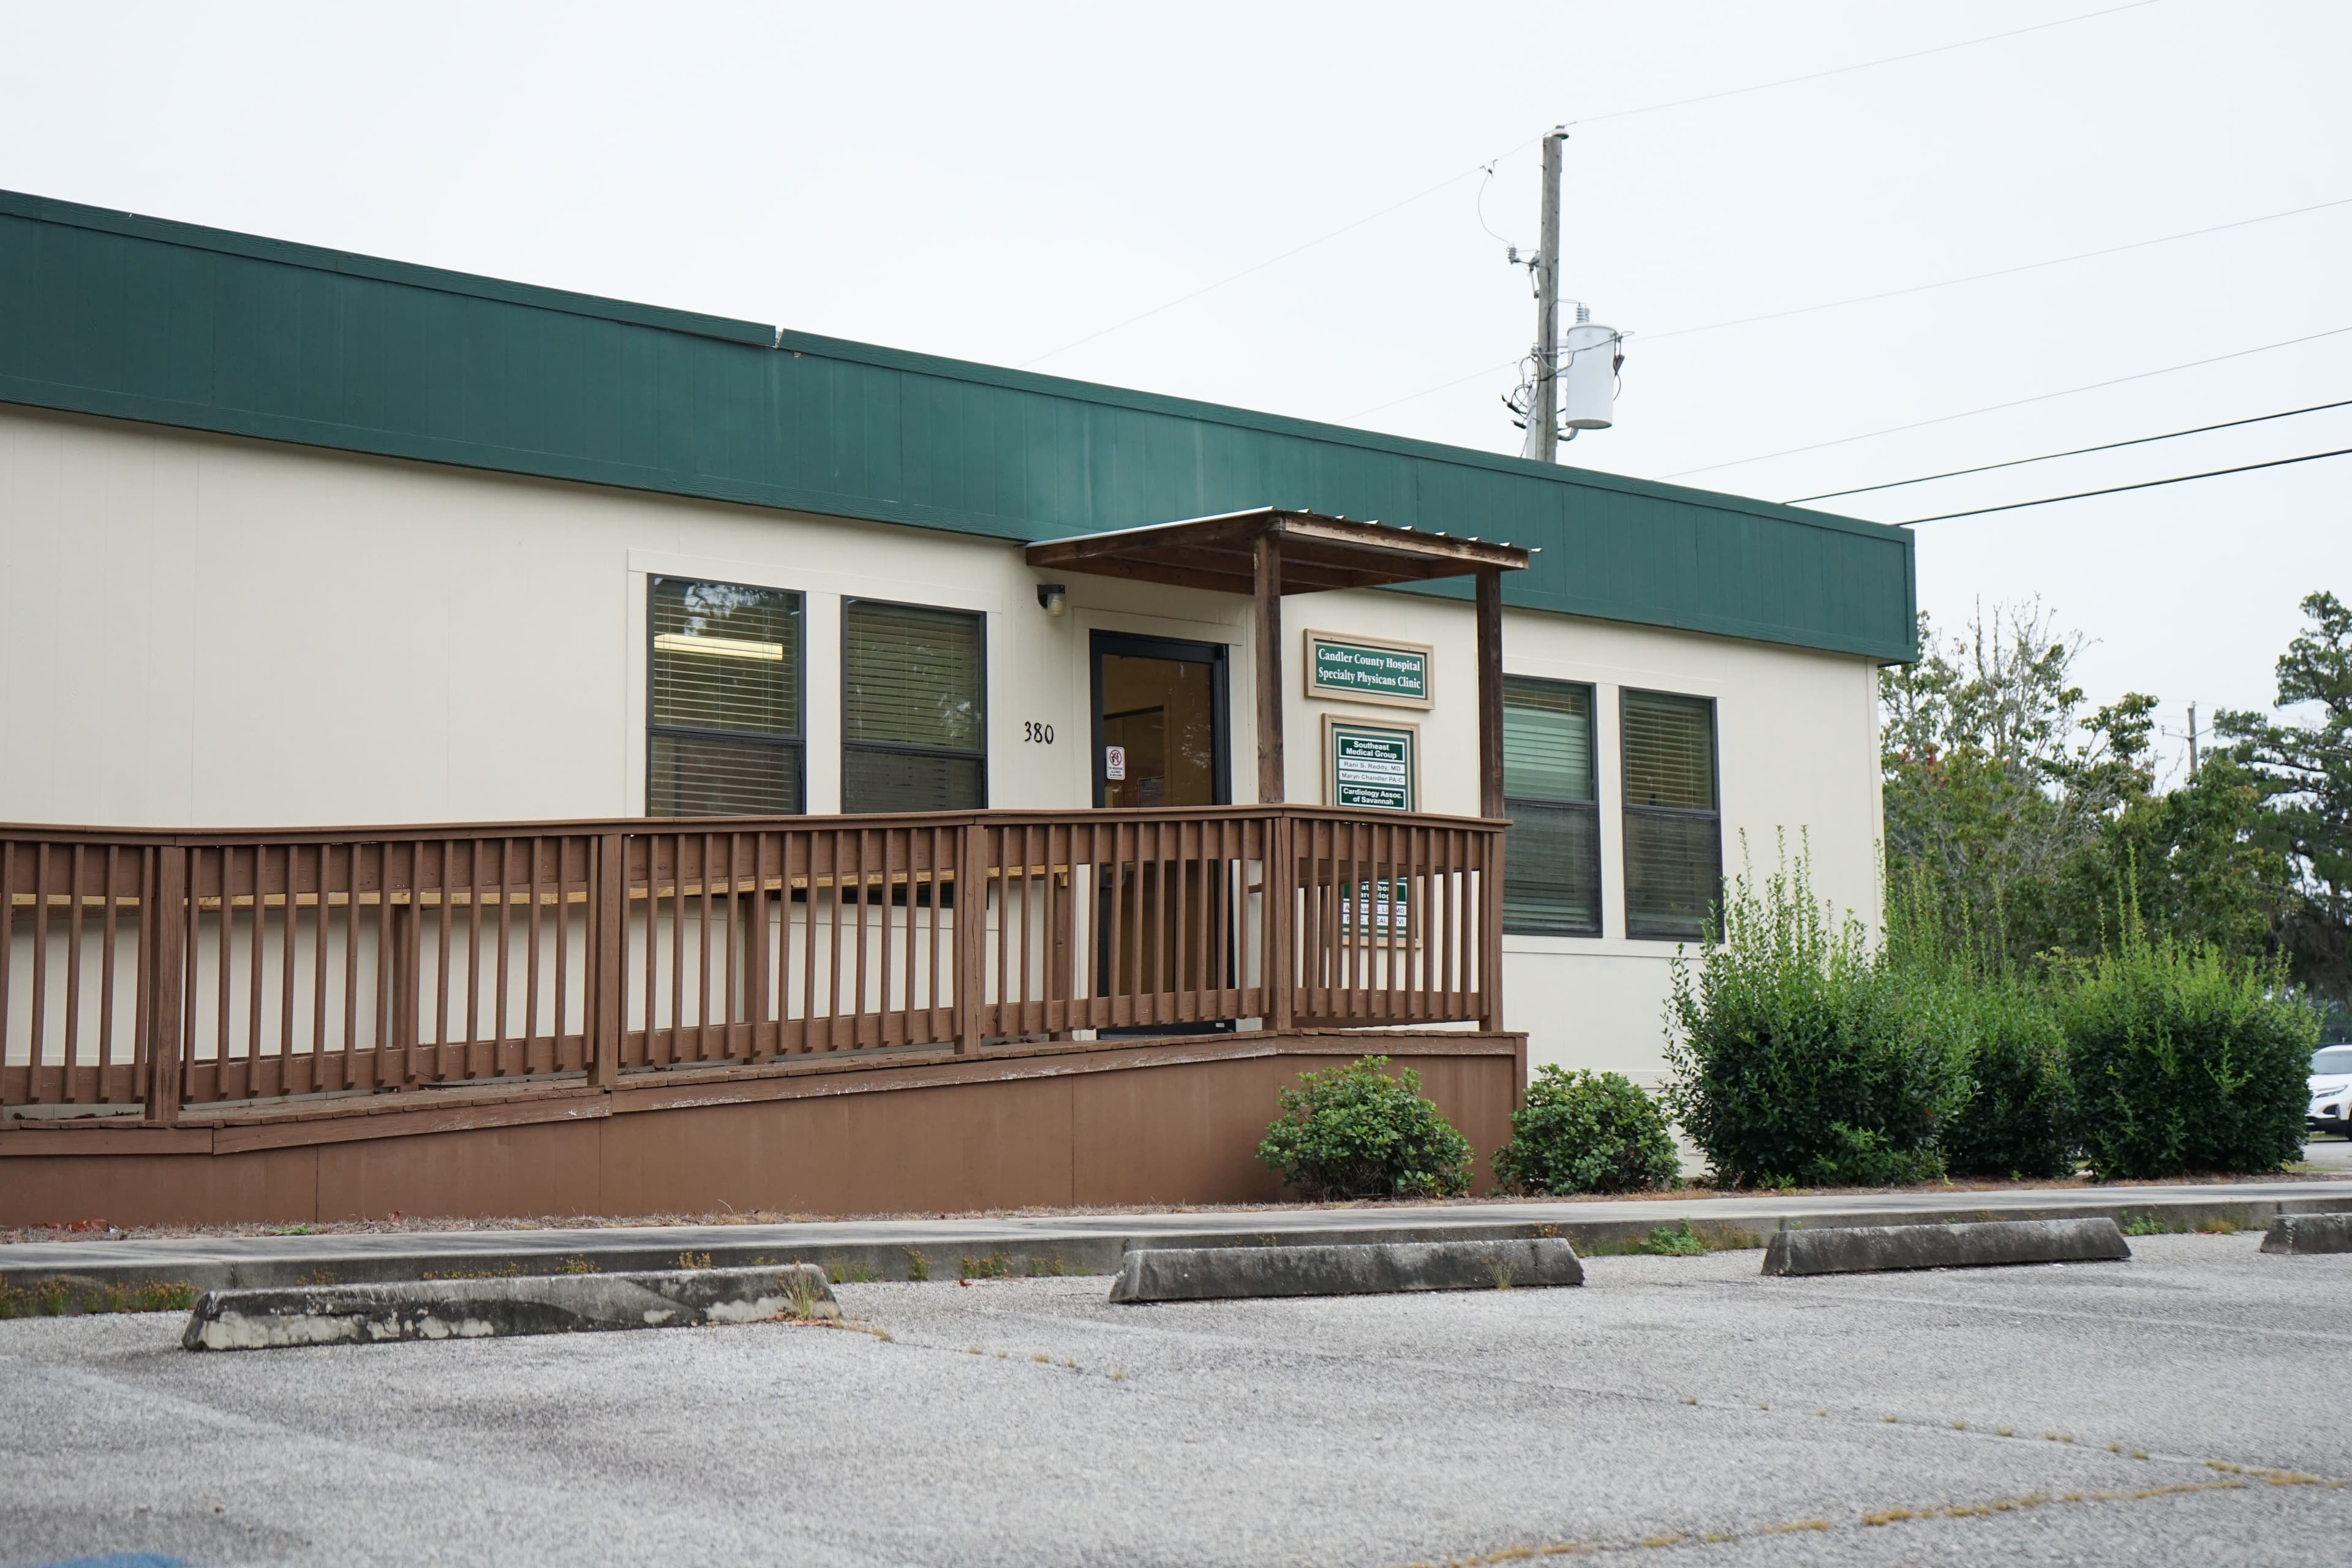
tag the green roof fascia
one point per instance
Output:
(127, 317)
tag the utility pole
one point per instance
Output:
(1543, 414)
(2192, 739)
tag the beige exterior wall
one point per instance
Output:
(207, 632)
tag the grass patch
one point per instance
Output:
(1683, 1240)
(918, 1267)
(72, 1295)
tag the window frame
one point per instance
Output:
(1593, 807)
(795, 745)
(1710, 924)
(904, 748)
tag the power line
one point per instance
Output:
(1593, 119)
(2118, 489)
(2016, 403)
(1891, 294)
(1864, 65)
(2071, 452)
(1997, 272)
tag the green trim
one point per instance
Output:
(132, 318)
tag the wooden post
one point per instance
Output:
(166, 975)
(1281, 880)
(971, 935)
(609, 879)
(1268, 584)
(1490, 692)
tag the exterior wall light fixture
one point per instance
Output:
(1053, 598)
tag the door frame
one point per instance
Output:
(1217, 656)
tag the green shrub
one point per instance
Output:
(2019, 1121)
(1791, 1058)
(1956, 985)
(1587, 1132)
(2184, 1060)
(1354, 1133)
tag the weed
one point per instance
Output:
(69, 1295)
(1118, 1374)
(1048, 1268)
(1676, 1241)
(575, 1266)
(1690, 1402)
(2145, 1224)
(804, 1294)
(1547, 1232)
(2057, 1437)
(1890, 1421)
(849, 1273)
(995, 1266)
(505, 1271)
(1959, 1426)
(2004, 1432)
(1504, 1274)
(918, 1267)
(694, 1260)
(2218, 1225)
(1043, 1358)
(288, 1230)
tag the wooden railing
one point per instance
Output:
(169, 971)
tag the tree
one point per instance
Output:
(2302, 774)
(2032, 826)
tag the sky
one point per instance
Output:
(1289, 207)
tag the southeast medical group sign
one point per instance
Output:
(1372, 767)
(1362, 670)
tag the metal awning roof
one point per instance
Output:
(1318, 552)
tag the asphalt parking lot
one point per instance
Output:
(2188, 1407)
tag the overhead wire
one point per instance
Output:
(2118, 489)
(1893, 293)
(1864, 65)
(1591, 118)
(2013, 403)
(1998, 272)
(2071, 452)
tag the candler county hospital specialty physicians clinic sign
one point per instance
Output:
(1362, 670)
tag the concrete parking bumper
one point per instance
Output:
(2309, 1233)
(1223, 1273)
(478, 1308)
(1862, 1250)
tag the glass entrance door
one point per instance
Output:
(1159, 722)
(1160, 740)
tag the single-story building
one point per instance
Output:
(383, 646)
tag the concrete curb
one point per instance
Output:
(1224, 1273)
(914, 1251)
(1862, 1249)
(2303, 1234)
(482, 1309)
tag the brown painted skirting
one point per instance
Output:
(1127, 1123)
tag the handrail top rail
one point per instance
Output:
(637, 826)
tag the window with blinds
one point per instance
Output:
(1552, 864)
(1673, 829)
(724, 721)
(914, 721)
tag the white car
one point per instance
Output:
(2331, 1090)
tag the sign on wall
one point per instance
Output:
(1362, 669)
(1372, 767)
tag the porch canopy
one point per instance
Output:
(1269, 552)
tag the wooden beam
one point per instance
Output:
(1490, 692)
(1270, 669)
